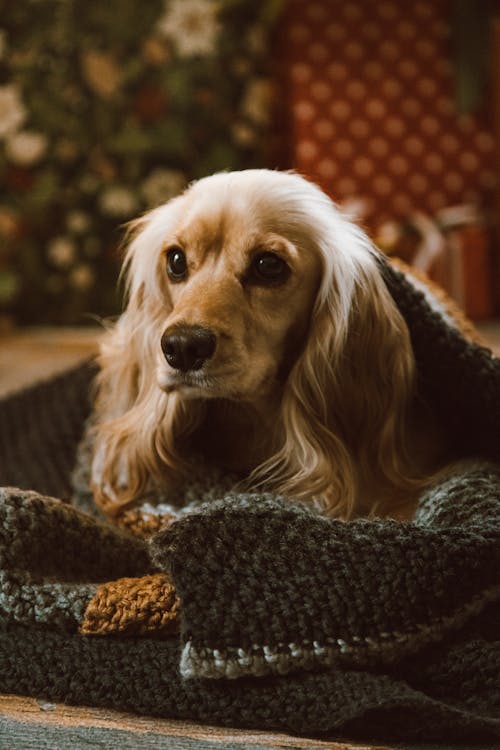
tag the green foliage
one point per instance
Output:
(108, 108)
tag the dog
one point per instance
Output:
(258, 332)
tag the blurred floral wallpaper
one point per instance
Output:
(108, 108)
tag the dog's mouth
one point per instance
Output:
(193, 382)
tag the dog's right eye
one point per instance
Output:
(176, 264)
(268, 269)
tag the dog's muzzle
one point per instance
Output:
(188, 347)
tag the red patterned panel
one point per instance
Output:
(372, 108)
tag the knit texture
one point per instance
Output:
(459, 379)
(132, 606)
(371, 628)
(281, 589)
(253, 611)
(40, 429)
(52, 559)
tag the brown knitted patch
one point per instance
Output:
(133, 606)
(143, 524)
(465, 326)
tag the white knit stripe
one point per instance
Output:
(231, 663)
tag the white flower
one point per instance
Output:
(82, 277)
(78, 222)
(62, 252)
(26, 147)
(191, 25)
(12, 110)
(257, 100)
(117, 201)
(162, 184)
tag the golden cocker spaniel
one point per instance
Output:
(258, 331)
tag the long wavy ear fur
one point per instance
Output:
(136, 423)
(345, 405)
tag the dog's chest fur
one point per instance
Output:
(236, 437)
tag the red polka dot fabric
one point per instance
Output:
(371, 100)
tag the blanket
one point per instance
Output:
(247, 609)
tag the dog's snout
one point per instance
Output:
(187, 347)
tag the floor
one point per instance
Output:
(31, 723)
(32, 354)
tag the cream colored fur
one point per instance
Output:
(317, 373)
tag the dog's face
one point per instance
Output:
(240, 294)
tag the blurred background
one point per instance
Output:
(109, 108)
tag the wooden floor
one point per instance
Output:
(31, 723)
(33, 354)
(28, 724)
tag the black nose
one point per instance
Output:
(187, 347)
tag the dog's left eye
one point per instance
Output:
(269, 268)
(176, 264)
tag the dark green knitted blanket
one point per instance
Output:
(287, 619)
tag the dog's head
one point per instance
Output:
(237, 288)
(252, 286)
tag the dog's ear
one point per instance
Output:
(375, 380)
(133, 417)
(346, 399)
